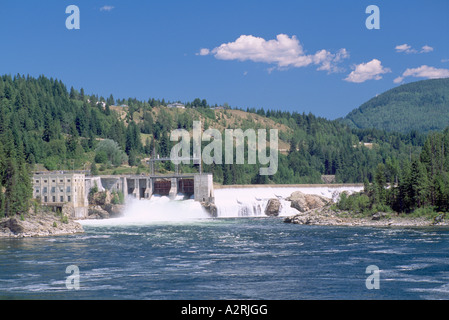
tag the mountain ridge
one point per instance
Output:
(417, 106)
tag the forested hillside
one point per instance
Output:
(46, 126)
(421, 106)
(419, 185)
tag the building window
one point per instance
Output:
(53, 189)
(61, 198)
(61, 181)
(68, 189)
(54, 199)
(37, 181)
(37, 190)
(45, 191)
(61, 189)
(68, 198)
(45, 199)
(45, 181)
(68, 180)
(53, 181)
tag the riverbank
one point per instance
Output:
(325, 216)
(40, 224)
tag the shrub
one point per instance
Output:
(357, 203)
(118, 198)
(64, 219)
(114, 154)
(425, 212)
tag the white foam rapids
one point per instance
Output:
(230, 202)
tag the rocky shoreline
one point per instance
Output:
(45, 222)
(325, 216)
(40, 224)
(317, 210)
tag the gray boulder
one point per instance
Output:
(13, 225)
(273, 208)
(97, 212)
(305, 202)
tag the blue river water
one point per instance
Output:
(228, 258)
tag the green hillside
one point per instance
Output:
(46, 126)
(421, 106)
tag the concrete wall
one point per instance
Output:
(115, 184)
(204, 188)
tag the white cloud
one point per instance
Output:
(106, 8)
(444, 60)
(423, 72)
(405, 48)
(329, 61)
(372, 70)
(203, 52)
(398, 80)
(426, 49)
(285, 52)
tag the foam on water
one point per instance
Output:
(156, 210)
(251, 202)
(230, 202)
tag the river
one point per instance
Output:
(171, 250)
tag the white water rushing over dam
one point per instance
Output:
(231, 203)
(251, 202)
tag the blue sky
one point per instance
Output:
(304, 56)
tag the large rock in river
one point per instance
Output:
(97, 212)
(273, 208)
(305, 202)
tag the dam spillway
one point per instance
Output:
(198, 185)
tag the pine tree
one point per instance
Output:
(73, 94)
(13, 196)
(72, 141)
(94, 169)
(420, 184)
(111, 100)
(380, 183)
(107, 109)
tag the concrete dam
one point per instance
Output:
(199, 186)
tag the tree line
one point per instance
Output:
(418, 184)
(45, 124)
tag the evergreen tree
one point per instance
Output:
(73, 94)
(2, 201)
(18, 190)
(111, 100)
(94, 169)
(133, 140)
(72, 142)
(380, 184)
